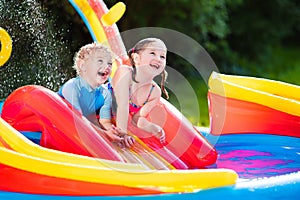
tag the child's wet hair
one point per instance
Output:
(86, 51)
(139, 46)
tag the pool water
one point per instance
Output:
(257, 155)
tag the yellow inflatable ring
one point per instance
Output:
(6, 46)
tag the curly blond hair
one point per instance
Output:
(88, 49)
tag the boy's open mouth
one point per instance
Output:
(102, 73)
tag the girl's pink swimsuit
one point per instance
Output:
(133, 108)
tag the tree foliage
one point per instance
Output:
(234, 32)
(259, 26)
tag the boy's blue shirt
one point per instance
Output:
(86, 99)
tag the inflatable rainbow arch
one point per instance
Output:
(49, 151)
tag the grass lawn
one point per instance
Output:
(192, 102)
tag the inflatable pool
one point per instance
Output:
(50, 152)
(241, 104)
(268, 168)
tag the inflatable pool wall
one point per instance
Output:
(241, 104)
(29, 168)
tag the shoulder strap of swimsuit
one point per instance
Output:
(149, 94)
(136, 106)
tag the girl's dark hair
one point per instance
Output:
(136, 49)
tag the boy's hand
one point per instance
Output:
(113, 137)
(127, 141)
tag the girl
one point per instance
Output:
(134, 89)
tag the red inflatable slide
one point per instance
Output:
(35, 108)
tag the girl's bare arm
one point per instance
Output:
(121, 83)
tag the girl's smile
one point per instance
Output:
(153, 56)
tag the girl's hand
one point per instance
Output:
(128, 141)
(118, 131)
(161, 135)
(109, 134)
